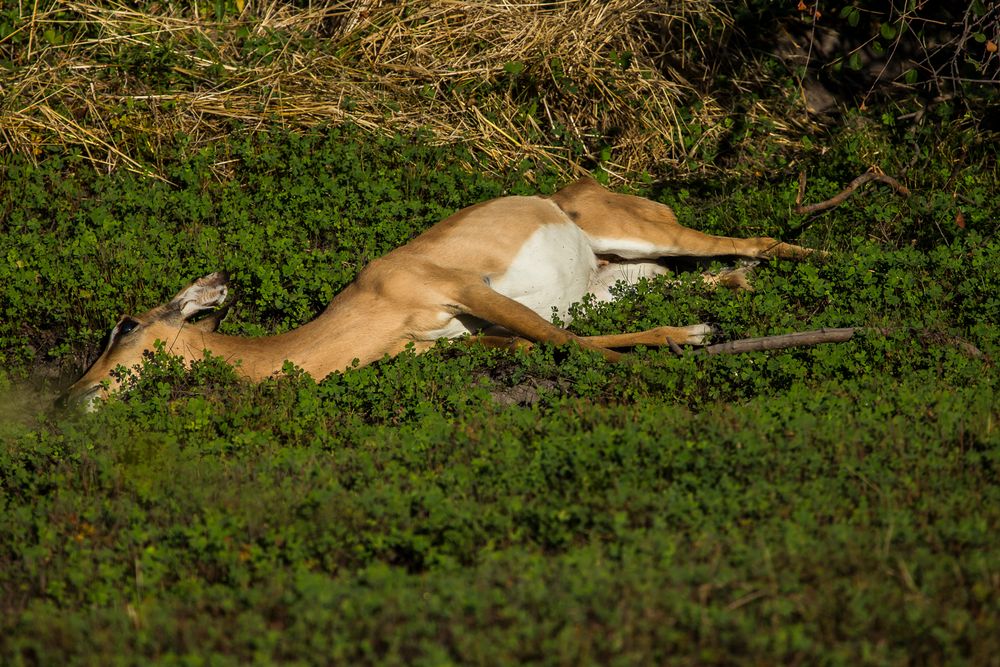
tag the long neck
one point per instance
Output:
(344, 332)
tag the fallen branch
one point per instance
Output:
(780, 342)
(871, 175)
(821, 336)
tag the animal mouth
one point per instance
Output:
(87, 399)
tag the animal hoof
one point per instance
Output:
(697, 334)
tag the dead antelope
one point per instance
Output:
(496, 268)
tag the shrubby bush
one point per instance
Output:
(828, 504)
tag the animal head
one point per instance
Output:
(135, 336)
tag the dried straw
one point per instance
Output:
(439, 65)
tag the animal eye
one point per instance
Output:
(127, 325)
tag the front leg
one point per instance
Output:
(482, 301)
(696, 334)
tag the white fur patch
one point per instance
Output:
(630, 273)
(453, 327)
(627, 248)
(200, 297)
(698, 334)
(553, 268)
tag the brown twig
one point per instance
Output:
(780, 342)
(825, 335)
(871, 175)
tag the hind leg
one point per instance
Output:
(636, 228)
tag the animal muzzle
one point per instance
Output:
(84, 398)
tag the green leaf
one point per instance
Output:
(854, 62)
(888, 30)
(513, 68)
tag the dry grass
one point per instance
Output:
(514, 79)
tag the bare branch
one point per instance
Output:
(871, 175)
(780, 342)
(828, 335)
(802, 190)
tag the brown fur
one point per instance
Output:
(440, 275)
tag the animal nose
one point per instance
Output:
(62, 401)
(73, 398)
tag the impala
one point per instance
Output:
(498, 268)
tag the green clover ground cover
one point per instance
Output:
(833, 505)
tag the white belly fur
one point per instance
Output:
(627, 272)
(553, 269)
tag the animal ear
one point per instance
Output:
(203, 294)
(212, 321)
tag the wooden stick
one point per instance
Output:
(780, 342)
(825, 335)
(870, 175)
